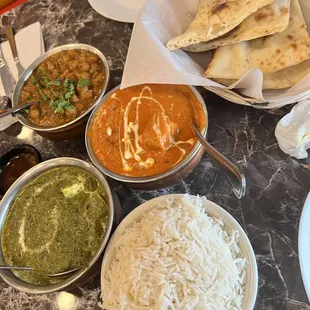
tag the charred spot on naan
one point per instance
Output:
(220, 7)
(284, 10)
(260, 16)
(294, 46)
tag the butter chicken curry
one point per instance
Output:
(66, 85)
(145, 130)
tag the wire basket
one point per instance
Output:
(234, 97)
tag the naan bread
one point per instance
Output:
(215, 18)
(282, 79)
(268, 20)
(270, 54)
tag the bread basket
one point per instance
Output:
(234, 97)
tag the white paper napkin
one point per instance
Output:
(293, 131)
(30, 45)
(149, 61)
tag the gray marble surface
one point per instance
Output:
(277, 184)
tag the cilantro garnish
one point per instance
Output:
(63, 105)
(56, 82)
(33, 80)
(63, 102)
(83, 82)
(70, 91)
(45, 80)
(61, 99)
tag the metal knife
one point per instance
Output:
(11, 38)
(7, 79)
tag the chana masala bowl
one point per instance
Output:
(66, 83)
(142, 135)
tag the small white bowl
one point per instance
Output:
(304, 245)
(212, 209)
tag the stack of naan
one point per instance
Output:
(267, 34)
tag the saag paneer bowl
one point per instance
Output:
(147, 129)
(65, 82)
(59, 215)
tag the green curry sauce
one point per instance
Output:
(56, 223)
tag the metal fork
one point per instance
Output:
(4, 103)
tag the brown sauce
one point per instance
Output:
(17, 166)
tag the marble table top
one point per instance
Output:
(277, 184)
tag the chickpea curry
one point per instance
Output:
(65, 85)
(145, 130)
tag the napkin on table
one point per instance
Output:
(293, 131)
(30, 45)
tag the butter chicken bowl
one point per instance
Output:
(56, 217)
(143, 136)
(66, 82)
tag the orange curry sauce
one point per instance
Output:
(145, 130)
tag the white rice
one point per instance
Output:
(176, 257)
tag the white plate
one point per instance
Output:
(304, 245)
(121, 10)
(212, 210)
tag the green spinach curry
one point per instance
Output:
(56, 223)
(65, 85)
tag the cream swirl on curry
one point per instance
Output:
(145, 130)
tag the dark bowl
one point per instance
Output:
(18, 149)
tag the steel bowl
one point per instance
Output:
(80, 277)
(164, 179)
(76, 127)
